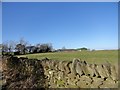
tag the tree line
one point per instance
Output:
(22, 47)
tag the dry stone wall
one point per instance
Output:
(32, 73)
(79, 74)
(19, 73)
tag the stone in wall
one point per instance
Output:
(113, 73)
(101, 71)
(79, 69)
(109, 83)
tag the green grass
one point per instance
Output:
(100, 56)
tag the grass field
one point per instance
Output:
(100, 56)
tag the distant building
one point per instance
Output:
(30, 49)
(66, 50)
(79, 50)
(70, 50)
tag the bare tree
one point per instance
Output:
(8, 47)
(11, 45)
(46, 47)
(20, 48)
(50, 47)
(5, 47)
(22, 41)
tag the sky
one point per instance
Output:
(71, 24)
(60, 1)
(0, 22)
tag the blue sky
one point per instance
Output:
(73, 25)
(0, 22)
